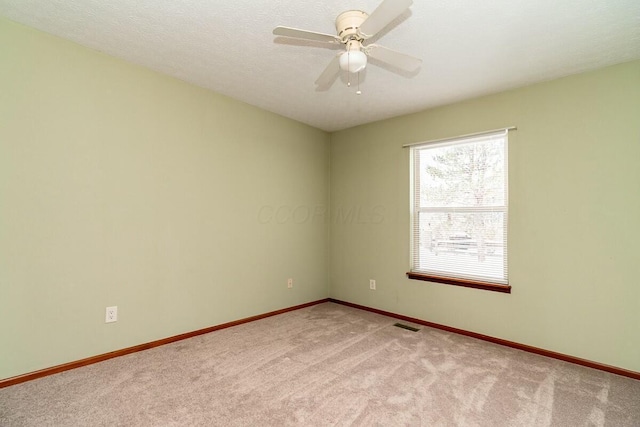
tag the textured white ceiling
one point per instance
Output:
(468, 47)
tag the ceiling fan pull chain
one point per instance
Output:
(358, 91)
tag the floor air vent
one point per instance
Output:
(408, 328)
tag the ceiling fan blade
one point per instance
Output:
(329, 74)
(306, 35)
(386, 12)
(394, 58)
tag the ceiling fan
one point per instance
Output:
(353, 28)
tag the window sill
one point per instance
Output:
(495, 287)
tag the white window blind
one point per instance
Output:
(460, 208)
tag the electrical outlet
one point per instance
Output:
(111, 314)
(372, 284)
(290, 283)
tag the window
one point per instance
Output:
(459, 211)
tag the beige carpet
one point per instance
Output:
(326, 365)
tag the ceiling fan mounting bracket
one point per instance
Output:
(348, 25)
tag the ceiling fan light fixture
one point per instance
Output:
(353, 61)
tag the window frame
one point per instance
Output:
(414, 210)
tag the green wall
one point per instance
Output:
(121, 186)
(574, 224)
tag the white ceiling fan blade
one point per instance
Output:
(306, 35)
(394, 58)
(329, 74)
(386, 12)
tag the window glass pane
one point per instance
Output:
(462, 244)
(470, 174)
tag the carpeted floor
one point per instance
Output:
(326, 365)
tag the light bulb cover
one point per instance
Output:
(353, 61)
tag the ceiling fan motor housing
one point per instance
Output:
(348, 25)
